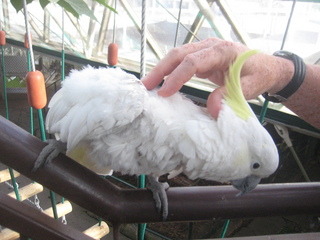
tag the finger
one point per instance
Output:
(217, 77)
(152, 79)
(172, 60)
(214, 102)
(215, 58)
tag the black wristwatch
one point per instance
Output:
(296, 81)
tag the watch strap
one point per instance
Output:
(296, 81)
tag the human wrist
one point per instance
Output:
(299, 73)
(282, 74)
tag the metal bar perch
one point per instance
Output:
(19, 150)
(30, 222)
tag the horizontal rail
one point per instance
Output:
(19, 150)
(295, 236)
(31, 222)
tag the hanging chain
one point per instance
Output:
(11, 186)
(64, 220)
(37, 203)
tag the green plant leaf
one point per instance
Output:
(44, 3)
(75, 7)
(68, 8)
(103, 2)
(17, 4)
(78, 6)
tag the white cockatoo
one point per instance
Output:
(109, 120)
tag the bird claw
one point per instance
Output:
(48, 153)
(159, 195)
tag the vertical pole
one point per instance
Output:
(141, 181)
(13, 179)
(62, 60)
(288, 25)
(266, 102)
(32, 67)
(178, 25)
(5, 95)
(114, 23)
(225, 228)
(31, 109)
(143, 40)
(62, 51)
(263, 111)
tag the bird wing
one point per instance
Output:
(93, 99)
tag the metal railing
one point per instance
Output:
(19, 150)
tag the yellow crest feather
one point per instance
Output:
(234, 96)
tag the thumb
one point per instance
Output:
(214, 102)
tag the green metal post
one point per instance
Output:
(41, 124)
(141, 226)
(15, 185)
(5, 95)
(62, 65)
(31, 109)
(13, 179)
(225, 228)
(263, 111)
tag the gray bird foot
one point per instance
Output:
(49, 152)
(159, 195)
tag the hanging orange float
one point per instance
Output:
(2, 38)
(26, 42)
(37, 96)
(112, 54)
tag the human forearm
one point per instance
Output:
(305, 102)
(267, 73)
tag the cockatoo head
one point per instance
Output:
(255, 155)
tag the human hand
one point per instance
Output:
(211, 59)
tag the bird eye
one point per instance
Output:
(256, 165)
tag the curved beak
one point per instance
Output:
(246, 184)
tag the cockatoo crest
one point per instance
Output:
(234, 96)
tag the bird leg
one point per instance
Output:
(159, 194)
(49, 152)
